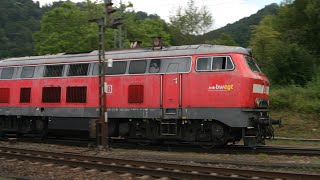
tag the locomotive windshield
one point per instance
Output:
(252, 63)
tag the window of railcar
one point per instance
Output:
(95, 70)
(218, 63)
(25, 95)
(173, 68)
(7, 73)
(51, 94)
(155, 66)
(138, 67)
(53, 71)
(27, 72)
(252, 64)
(118, 67)
(4, 95)
(78, 69)
(203, 64)
(77, 94)
(175, 65)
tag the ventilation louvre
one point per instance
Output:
(4, 95)
(25, 94)
(51, 94)
(135, 94)
(77, 94)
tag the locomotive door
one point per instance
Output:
(171, 92)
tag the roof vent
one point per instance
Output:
(135, 44)
(71, 53)
(157, 43)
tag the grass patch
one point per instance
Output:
(299, 108)
(297, 125)
(293, 143)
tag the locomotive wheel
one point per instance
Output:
(144, 143)
(207, 146)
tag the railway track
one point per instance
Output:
(230, 149)
(143, 168)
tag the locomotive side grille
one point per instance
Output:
(25, 95)
(169, 127)
(77, 94)
(51, 94)
(4, 95)
(135, 94)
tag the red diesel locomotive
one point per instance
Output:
(197, 94)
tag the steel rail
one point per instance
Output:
(230, 149)
(156, 169)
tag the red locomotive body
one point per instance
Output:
(201, 94)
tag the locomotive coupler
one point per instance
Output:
(276, 121)
(268, 121)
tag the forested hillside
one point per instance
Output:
(240, 31)
(18, 21)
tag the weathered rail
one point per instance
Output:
(176, 147)
(140, 168)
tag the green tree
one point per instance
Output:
(66, 29)
(224, 39)
(192, 20)
(299, 22)
(291, 64)
(139, 26)
(264, 41)
(241, 30)
(284, 62)
(18, 20)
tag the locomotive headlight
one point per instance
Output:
(261, 103)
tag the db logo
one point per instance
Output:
(107, 88)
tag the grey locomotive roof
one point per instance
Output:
(124, 54)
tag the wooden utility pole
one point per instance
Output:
(102, 123)
(102, 128)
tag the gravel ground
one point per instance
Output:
(9, 168)
(40, 171)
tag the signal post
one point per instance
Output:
(102, 123)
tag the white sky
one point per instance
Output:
(223, 12)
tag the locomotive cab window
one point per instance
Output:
(27, 72)
(219, 63)
(253, 65)
(7, 73)
(78, 69)
(53, 71)
(138, 67)
(203, 64)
